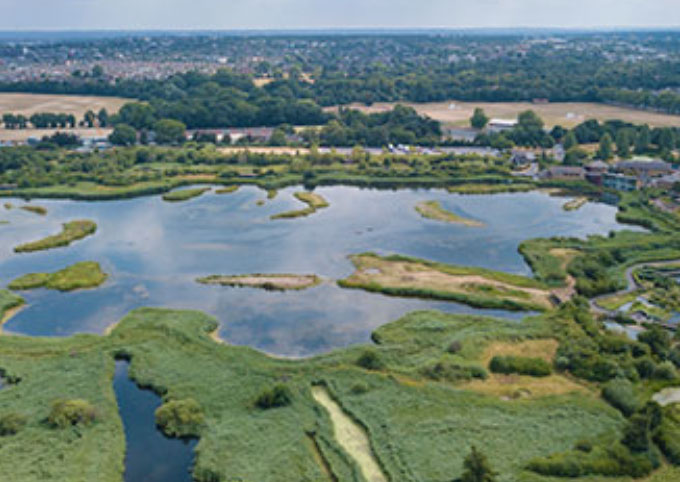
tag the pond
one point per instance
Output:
(149, 456)
(154, 250)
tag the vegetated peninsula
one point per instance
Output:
(405, 276)
(425, 383)
(184, 194)
(434, 210)
(71, 231)
(83, 275)
(313, 201)
(227, 189)
(281, 282)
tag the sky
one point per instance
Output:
(315, 14)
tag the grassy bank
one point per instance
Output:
(419, 400)
(184, 194)
(39, 210)
(575, 204)
(280, 282)
(491, 188)
(71, 231)
(405, 276)
(314, 202)
(227, 190)
(84, 275)
(434, 210)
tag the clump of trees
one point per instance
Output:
(11, 423)
(476, 468)
(180, 418)
(278, 396)
(66, 413)
(370, 360)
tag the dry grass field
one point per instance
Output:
(20, 135)
(28, 104)
(568, 114)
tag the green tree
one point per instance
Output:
(605, 152)
(89, 118)
(476, 468)
(623, 143)
(170, 131)
(103, 118)
(643, 139)
(530, 120)
(570, 141)
(479, 120)
(123, 135)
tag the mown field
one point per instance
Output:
(28, 104)
(567, 114)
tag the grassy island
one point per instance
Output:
(434, 210)
(84, 275)
(423, 384)
(405, 276)
(227, 189)
(71, 231)
(575, 204)
(184, 194)
(313, 201)
(35, 209)
(471, 188)
(280, 282)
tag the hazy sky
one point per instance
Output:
(289, 14)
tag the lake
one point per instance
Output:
(154, 250)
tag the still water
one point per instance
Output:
(149, 456)
(154, 250)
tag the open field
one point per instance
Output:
(567, 114)
(265, 281)
(403, 276)
(28, 104)
(20, 135)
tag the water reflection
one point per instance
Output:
(154, 251)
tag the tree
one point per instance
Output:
(569, 141)
(123, 135)
(479, 120)
(605, 151)
(623, 143)
(530, 120)
(476, 468)
(643, 140)
(89, 118)
(136, 114)
(103, 118)
(170, 131)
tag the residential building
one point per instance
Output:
(620, 182)
(574, 173)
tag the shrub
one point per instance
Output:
(455, 347)
(278, 396)
(453, 372)
(180, 418)
(636, 434)
(619, 393)
(65, 413)
(359, 388)
(667, 437)
(535, 367)
(11, 423)
(645, 367)
(370, 360)
(665, 371)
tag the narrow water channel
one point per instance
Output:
(150, 456)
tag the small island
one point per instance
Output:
(575, 204)
(226, 189)
(405, 276)
(71, 231)
(39, 210)
(313, 201)
(274, 282)
(434, 210)
(184, 194)
(84, 275)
